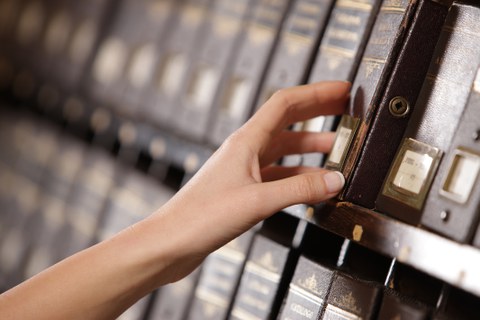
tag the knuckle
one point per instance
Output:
(308, 189)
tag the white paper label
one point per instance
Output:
(340, 145)
(413, 171)
(462, 176)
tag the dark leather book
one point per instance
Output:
(134, 197)
(172, 301)
(187, 33)
(268, 270)
(351, 298)
(436, 116)
(72, 33)
(451, 207)
(397, 307)
(209, 68)
(126, 54)
(297, 47)
(45, 248)
(338, 57)
(384, 92)
(238, 92)
(219, 277)
(87, 200)
(457, 304)
(307, 291)
(25, 156)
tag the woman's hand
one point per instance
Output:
(237, 188)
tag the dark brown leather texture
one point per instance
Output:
(444, 93)
(386, 130)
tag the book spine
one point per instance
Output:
(350, 298)
(307, 291)
(339, 55)
(386, 39)
(210, 66)
(238, 92)
(298, 44)
(172, 301)
(126, 56)
(219, 277)
(436, 116)
(260, 280)
(179, 49)
(397, 103)
(451, 207)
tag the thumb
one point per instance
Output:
(310, 188)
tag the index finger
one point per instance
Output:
(295, 104)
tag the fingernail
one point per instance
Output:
(334, 181)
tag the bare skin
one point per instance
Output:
(237, 188)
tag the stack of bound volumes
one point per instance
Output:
(107, 107)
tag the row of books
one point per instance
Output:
(169, 77)
(60, 195)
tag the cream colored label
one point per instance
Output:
(57, 32)
(203, 87)
(462, 176)
(30, 22)
(237, 97)
(141, 65)
(340, 146)
(334, 313)
(110, 62)
(171, 73)
(82, 41)
(413, 171)
(314, 124)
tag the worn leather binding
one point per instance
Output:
(126, 55)
(396, 306)
(265, 266)
(297, 47)
(219, 276)
(224, 28)
(391, 67)
(179, 48)
(350, 298)
(451, 207)
(339, 55)
(437, 114)
(239, 90)
(308, 291)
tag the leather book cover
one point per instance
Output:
(384, 92)
(215, 56)
(134, 197)
(307, 291)
(87, 199)
(72, 33)
(436, 116)
(172, 301)
(127, 54)
(238, 92)
(45, 248)
(260, 279)
(451, 207)
(338, 56)
(219, 278)
(175, 53)
(397, 307)
(298, 44)
(350, 298)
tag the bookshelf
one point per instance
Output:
(84, 80)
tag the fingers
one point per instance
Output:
(291, 142)
(295, 104)
(310, 188)
(273, 173)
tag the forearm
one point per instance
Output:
(97, 283)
